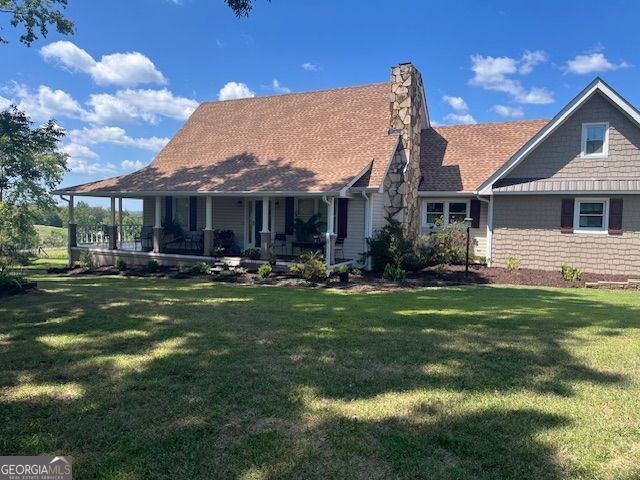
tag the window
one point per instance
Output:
(595, 140)
(591, 215)
(440, 213)
(181, 212)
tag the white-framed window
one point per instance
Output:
(595, 140)
(591, 215)
(181, 211)
(438, 213)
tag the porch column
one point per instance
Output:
(330, 241)
(157, 227)
(208, 227)
(265, 234)
(113, 229)
(120, 229)
(72, 226)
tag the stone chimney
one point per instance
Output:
(408, 118)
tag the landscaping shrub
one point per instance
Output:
(216, 251)
(571, 274)
(85, 260)
(252, 253)
(305, 230)
(393, 273)
(356, 271)
(9, 278)
(273, 258)
(449, 245)
(199, 268)
(264, 270)
(184, 267)
(152, 266)
(121, 265)
(311, 267)
(390, 246)
(224, 239)
(513, 263)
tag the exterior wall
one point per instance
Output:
(559, 155)
(354, 244)
(148, 211)
(528, 227)
(379, 218)
(479, 234)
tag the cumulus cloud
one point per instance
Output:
(132, 164)
(278, 88)
(234, 90)
(592, 63)
(115, 135)
(310, 67)
(506, 111)
(4, 103)
(122, 69)
(496, 74)
(130, 105)
(80, 160)
(463, 118)
(457, 103)
(45, 103)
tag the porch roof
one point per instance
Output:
(320, 141)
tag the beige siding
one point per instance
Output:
(528, 227)
(149, 211)
(379, 220)
(479, 234)
(559, 155)
(354, 243)
(229, 215)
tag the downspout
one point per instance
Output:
(489, 203)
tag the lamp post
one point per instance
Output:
(467, 221)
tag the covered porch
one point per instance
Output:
(179, 228)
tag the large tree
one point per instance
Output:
(35, 17)
(241, 7)
(30, 167)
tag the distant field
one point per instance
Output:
(52, 236)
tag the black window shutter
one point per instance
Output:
(615, 216)
(474, 212)
(288, 216)
(193, 213)
(168, 209)
(343, 208)
(566, 215)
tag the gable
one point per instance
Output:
(559, 155)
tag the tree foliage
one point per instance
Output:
(241, 8)
(30, 167)
(35, 16)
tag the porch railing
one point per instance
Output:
(97, 234)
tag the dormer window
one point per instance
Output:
(595, 140)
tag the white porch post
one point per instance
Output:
(208, 226)
(120, 229)
(157, 227)
(113, 229)
(265, 234)
(489, 231)
(330, 240)
(72, 231)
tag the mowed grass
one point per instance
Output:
(164, 379)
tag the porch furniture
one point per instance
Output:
(144, 238)
(280, 241)
(187, 242)
(313, 246)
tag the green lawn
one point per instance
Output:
(149, 378)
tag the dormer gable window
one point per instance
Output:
(595, 140)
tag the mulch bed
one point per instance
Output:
(18, 290)
(429, 277)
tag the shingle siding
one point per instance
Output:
(559, 155)
(528, 227)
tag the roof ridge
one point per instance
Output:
(482, 124)
(307, 92)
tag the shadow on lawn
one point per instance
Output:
(183, 379)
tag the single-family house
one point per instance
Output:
(326, 169)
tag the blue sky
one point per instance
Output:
(135, 69)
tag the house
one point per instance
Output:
(548, 192)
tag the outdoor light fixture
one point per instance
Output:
(468, 222)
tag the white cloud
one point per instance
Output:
(46, 103)
(495, 74)
(79, 160)
(279, 88)
(130, 105)
(234, 90)
(463, 118)
(506, 111)
(4, 103)
(310, 67)
(123, 69)
(457, 103)
(116, 136)
(591, 63)
(132, 164)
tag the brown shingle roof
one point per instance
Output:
(461, 157)
(314, 141)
